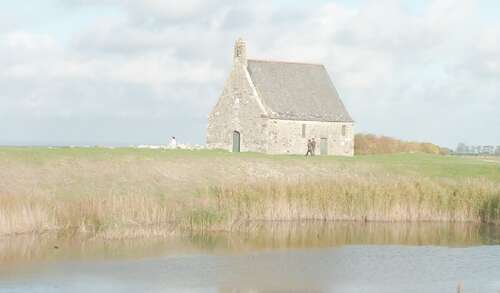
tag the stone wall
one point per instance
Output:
(285, 137)
(238, 109)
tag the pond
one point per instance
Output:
(266, 257)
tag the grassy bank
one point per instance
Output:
(131, 192)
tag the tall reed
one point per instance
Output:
(377, 198)
(344, 197)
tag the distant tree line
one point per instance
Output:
(365, 144)
(488, 150)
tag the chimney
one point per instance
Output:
(240, 52)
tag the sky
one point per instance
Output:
(124, 72)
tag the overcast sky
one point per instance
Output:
(119, 72)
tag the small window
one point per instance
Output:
(344, 130)
(303, 130)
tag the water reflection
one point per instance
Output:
(265, 257)
(255, 237)
(347, 269)
(325, 234)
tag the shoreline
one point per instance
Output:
(155, 231)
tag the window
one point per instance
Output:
(344, 129)
(303, 130)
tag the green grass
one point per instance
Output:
(419, 163)
(435, 165)
(42, 154)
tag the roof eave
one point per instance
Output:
(310, 120)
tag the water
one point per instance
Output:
(281, 257)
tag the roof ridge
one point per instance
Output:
(289, 62)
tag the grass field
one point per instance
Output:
(121, 192)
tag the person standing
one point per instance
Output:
(313, 146)
(173, 143)
(309, 148)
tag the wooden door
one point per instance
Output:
(323, 146)
(236, 142)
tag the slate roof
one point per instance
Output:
(297, 91)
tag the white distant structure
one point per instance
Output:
(191, 147)
(464, 149)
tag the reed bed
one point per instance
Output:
(231, 208)
(130, 193)
(375, 198)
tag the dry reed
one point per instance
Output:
(369, 198)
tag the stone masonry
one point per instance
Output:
(275, 107)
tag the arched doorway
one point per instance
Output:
(236, 142)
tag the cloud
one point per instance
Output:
(158, 70)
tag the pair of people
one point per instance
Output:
(311, 147)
